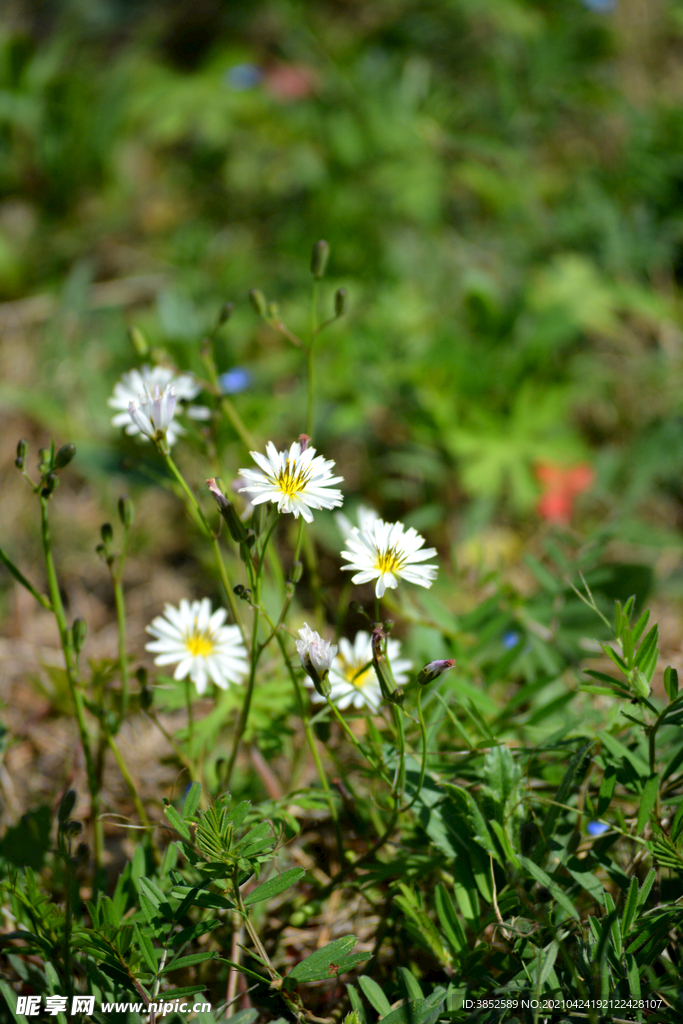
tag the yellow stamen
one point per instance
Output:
(199, 644)
(388, 561)
(292, 482)
(353, 675)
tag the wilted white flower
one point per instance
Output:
(315, 655)
(352, 678)
(152, 413)
(388, 552)
(137, 383)
(433, 670)
(203, 647)
(297, 480)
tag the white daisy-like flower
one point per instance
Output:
(366, 516)
(203, 647)
(352, 678)
(388, 552)
(316, 656)
(143, 381)
(297, 480)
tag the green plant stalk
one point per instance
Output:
(196, 510)
(121, 627)
(423, 763)
(127, 778)
(182, 757)
(350, 736)
(226, 405)
(76, 696)
(310, 360)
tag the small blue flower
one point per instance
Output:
(235, 380)
(596, 828)
(243, 76)
(510, 640)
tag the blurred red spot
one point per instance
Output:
(561, 485)
(288, 82)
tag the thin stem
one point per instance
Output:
(76, 695)
(139, 806)
(423, 764)
(182, 757)
(190, 718)
(350, 736)
(310, 414)
(121, 627)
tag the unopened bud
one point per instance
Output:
(433, 670)
(340, 302)
(357, 608)
(138, 341)
(273, 310)
(258, 301)
(296, 572)
(79, 631)
(51, 481)
(316, 656)
(66, 806)
(237, 529)
(72, 828)
(107, 533)
(146, 698)
(225, 313)
(319, 256)
(44, 456)
(102, 552)
(304, 441)
(125, 511)
(22, 451)
(639, 683)
(64, 455)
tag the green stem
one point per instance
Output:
(423, 764)
(76, 696)
(139, 807)
(123, 657)
(310, 417)
(350, 736)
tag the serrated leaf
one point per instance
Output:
(375, 996)
(274, 886)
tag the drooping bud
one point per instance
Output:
(385, 677)
(138, 341)
(79, 631)
(258, 301)
(237, 529)
(319, 256)
(433, 670)
(316, 655)
(64, 456)
(107, 533)
(125, 511)
(22, 451)
(225, 313)
(304, 441)
(340, 302)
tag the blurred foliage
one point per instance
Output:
(500, 183)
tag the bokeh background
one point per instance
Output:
(501, 185)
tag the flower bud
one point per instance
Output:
(387, 683)
(273, 311)
(125, 511)
(107, 533)
(340, 302)
(433, 670)
(237, 529)
(64, 456)
(138, 341)
(296, 572)
(316, 655)
(72, 827)
(304, 441)
(102, 552)
(22, 451)
(44, 459)
(258, 301)
(639, 683)
(319, 256)
(79, 631)
(51, 481)
(225, 313)
(66, 806)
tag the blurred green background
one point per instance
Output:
(501, 185)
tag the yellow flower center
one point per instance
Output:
(291, 480)
(354, 675)
(199, 644)
(388, 561)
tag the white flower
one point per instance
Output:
(203, 647)
(152, 413)
(388, 552)
(143, 381)
(367, 517)
(297, 480)
(315, 655)
(352, 678)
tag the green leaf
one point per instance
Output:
(563, 791)
(411, 983)
(419, 1011)
(671, 682)
(202, 898)
(144, 944)
(20, 578)
(616, 658)
(274, 886)
(189, 961)
(177, 822)
(613, 918)
(618, 749)
(375, 996)
(448, 919)
(648, 798)
(357, 1002)
(191, 801)
(327, 962)
(630, 906)
(648, 649)
(544, 879)
(640, 625)
(11, 999)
